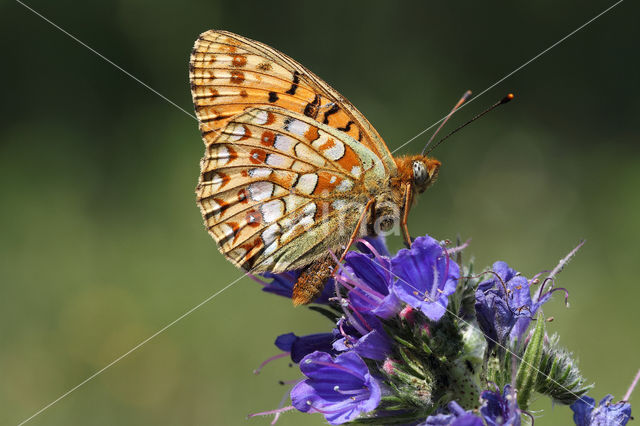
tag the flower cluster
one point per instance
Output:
(419, 339)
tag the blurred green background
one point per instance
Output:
(101, 243)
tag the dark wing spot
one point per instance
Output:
(294, 84)
(295, 180)
(347, 127)
(237, 77)
(273, 97)
(312, 108)
(208, 175)
(335, 108)
(287, 123)
(264, 66)
(239, 61)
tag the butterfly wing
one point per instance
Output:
(277, 188)
(230, 73)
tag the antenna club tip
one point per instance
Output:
(507, 98)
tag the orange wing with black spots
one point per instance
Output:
(275, 185)
(230, 73)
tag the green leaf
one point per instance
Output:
(530, 365)
(411, 363)
(404, 342)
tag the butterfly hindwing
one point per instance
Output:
(275, 185)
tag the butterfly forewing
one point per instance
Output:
(230, 73)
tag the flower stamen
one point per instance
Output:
(270, 359)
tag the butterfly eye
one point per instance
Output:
(420, 174)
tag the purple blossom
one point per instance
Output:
(301, 346)
(499, 312)
(426, 277)
(585, 413)
(340, 388)
(364, 334)
(457, 417)
(500, 409)
(369, 280)
(503, 315)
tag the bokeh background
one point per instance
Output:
(101, 243)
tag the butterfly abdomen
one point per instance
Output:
(312, 281)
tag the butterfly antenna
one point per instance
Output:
(457, 105)
(504, 100)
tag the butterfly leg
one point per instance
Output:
(356, 231)
(405, 216)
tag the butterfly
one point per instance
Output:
(292, 172)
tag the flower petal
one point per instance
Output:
(425, 277)
(341, 388)
(611, 414)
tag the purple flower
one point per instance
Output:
(369, 280)
(362, 333)
(585, 413)
(341, 388)
(426, 277)
(458, 417)
(500, 409)
(503, 314)
(301, 346)
(499, 312)
(282, 285)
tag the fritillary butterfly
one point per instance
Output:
(291, 169)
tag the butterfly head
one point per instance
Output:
(419, 171)
(424, 172)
